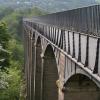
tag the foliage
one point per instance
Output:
(17, 50)
(4, 38)
(14, 20)
(5, 11)
(55, 5)
(3, 80)
(11, 41)
(10, 86)
(98, 1)
(10, 77)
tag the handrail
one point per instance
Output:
(84, 20)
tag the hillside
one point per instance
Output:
(12, 85)
(13, 18)
(61, 5)
(50, 5)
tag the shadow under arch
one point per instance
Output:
(50, 75)
(80, 87)
(38, 70)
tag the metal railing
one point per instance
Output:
(85, 20)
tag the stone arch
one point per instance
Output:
(44, 49)
(50, 75)
(38, 70)
(37, 38)
(81, 71)
(80, 87)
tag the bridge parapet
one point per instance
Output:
(85, 20)
(83, 47)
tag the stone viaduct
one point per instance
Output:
(62, 55)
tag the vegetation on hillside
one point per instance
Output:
(11, 50)
(51, 5)
(9, 74)
(14, 17)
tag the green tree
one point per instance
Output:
(10, 78)
(10, 84)
(4, 38)
(12, 53)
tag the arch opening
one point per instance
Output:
(80, 87)
(50, 75)
(38, 70)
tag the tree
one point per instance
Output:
(4, 36)
(10, 76)
(4, 39)
(12, 54)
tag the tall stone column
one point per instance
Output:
(60, 82)
(28, 69)
(38, 70)
(30, 65)
(25, 66)
(42, 57)
(34, 68)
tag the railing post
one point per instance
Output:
(87, 52)
(79, 53)
(97, 58)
